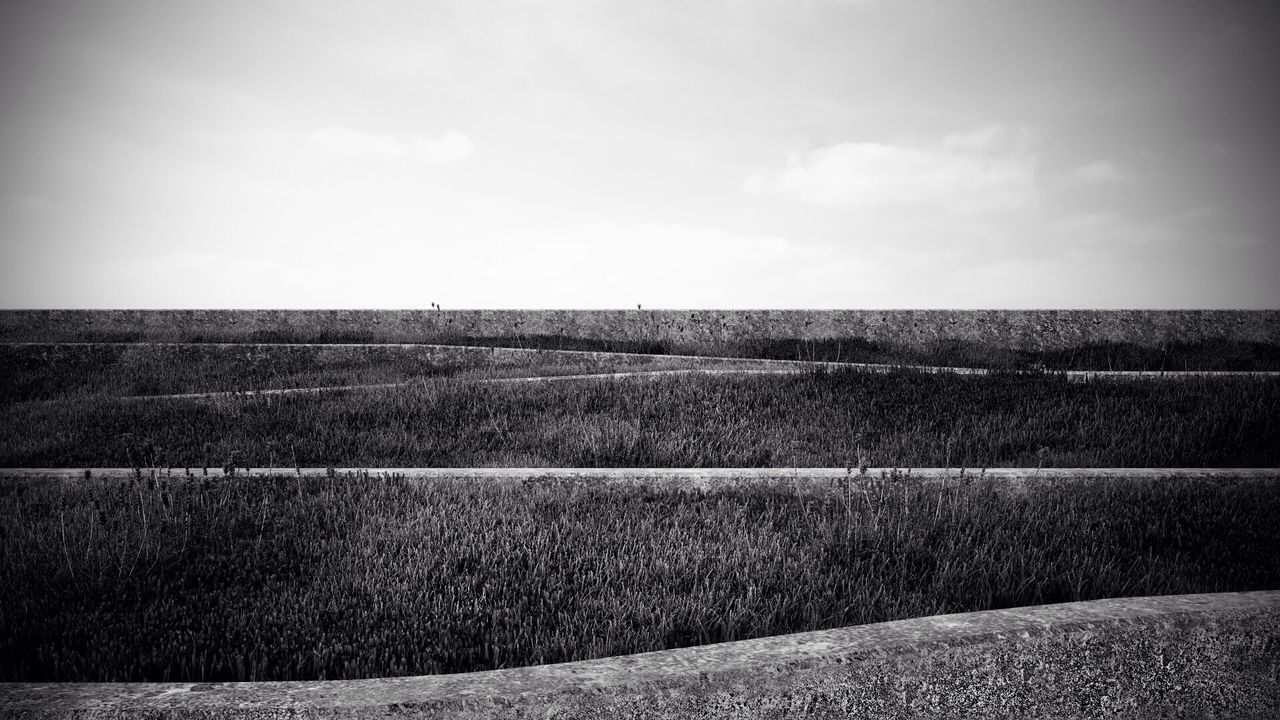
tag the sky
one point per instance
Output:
(605, 154)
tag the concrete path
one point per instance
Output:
(253, 393)
(644, 374)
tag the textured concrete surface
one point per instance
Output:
(1188, 656)
(1021, 329)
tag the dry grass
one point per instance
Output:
(345, 577)
(810, 420)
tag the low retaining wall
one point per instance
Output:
(1017, 329)
(1185, 656)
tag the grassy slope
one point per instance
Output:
(38, 373)
(1201, 355)
(190, 580)
(819, 419)
(215, 364)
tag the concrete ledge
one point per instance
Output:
(1187, 656)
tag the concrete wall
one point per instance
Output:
(1187, 656)
(1028, 330)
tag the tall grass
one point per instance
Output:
(824, 419)
(345, 577)
(62, 372)
(37, 371)
(82, 371)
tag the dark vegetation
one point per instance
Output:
(1171, 355)
(816, 419)
(1168, 356)
(187, 579)
(80, 372)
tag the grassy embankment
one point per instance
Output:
(1171, 355)
(818, 419)
(82, 372)
(347, 577)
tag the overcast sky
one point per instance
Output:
(692, 154)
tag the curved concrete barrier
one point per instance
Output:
(1186, 656)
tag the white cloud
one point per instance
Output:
(339, 140)
(672, 265)
(1098, 172)
(450, 146)
(806, 5)
(991, 168)
(353, 143)
(708, 244)
(654, 250)
(993, 139)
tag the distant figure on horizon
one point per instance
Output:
(637, 306)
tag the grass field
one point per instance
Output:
(817, 419)
(288, 578)
(1170, 355)
(1212, 355)
(194, 579)
(79, 372)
